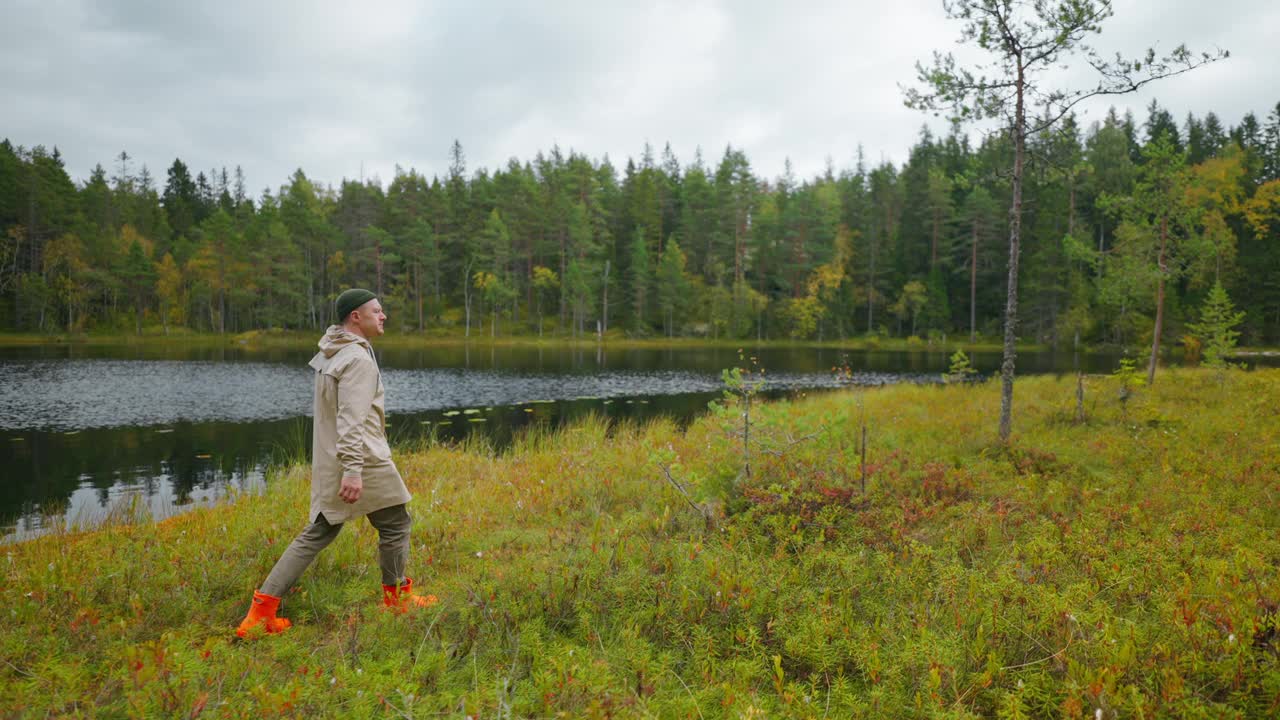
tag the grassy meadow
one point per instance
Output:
(1123, 566)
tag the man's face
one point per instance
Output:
(370, 318)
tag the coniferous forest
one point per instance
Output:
(561, 244)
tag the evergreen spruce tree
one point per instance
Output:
(672, 284)
(1216, 329)
(138, 275)
(640, 279)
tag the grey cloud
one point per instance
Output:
(332, 86)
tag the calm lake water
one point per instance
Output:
(90, 431)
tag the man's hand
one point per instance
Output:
(350, 489)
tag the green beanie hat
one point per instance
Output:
(350, 300)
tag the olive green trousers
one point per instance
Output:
(392, 523)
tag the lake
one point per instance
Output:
(92, 431)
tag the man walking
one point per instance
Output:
(351, 469)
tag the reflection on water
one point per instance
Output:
(75, 394)
(78, 478)
(88, 431)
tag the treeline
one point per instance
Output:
(571, 245)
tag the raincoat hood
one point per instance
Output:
(337, 338)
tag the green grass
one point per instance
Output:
(1129, 564)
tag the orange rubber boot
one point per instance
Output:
(263, 612)
(403, 598)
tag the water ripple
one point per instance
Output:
(75, 394)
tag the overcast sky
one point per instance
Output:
(336, 87)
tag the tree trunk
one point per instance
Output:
(1071, 206)
(1100, 250)
(1155, 339)
(933, 240)
(417, 291)
(311, 288)
(466, 297)
(529, 297)
(17, 251)
(871, 289)
(871, 272)
(1015, 231)
(706, 261)
(1079, 397)
(604, 313)
(564, 264)
(737, 277)
(435, 271)
(739, 249)
(973, 286)
(327, 282)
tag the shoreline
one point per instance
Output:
(303, 339)
(294, 339)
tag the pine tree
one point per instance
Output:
(959, 369)
(640, 280)
(180, 199)
(672, 284)
(1216, 329)
(422, 255)
(882, 231)
(1160, 123)
(979, 218)
(1271, 146)
(139, 278)
(545, 286)
(578, 294)
(1214, 135)
(1026, 37)
(698, 218)
(1154, 240)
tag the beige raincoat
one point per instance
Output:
(350, 434)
